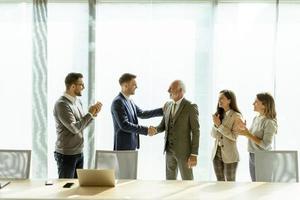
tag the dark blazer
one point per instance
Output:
(125, 118)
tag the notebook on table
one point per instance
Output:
(96, 177)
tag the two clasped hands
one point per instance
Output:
(152, 130)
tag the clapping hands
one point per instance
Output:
(95, 109)
(216, 119)
(241, 128)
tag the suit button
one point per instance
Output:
(222, 145)
(221, 137)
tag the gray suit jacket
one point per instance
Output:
(186, 128)
(225, 136)
(70, 122)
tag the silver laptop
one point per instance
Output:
(96, 177)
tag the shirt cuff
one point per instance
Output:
(193, 154)
(91, 115)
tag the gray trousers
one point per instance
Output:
(252, 166)
(173, 163)
(224, 171)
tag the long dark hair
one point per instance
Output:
(233, 105)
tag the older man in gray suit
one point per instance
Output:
(182, 130)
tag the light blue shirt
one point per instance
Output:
(264, 129)
(129, 103)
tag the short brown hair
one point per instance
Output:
(126, 78)
(72, 78)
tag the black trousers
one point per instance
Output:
(67, 164)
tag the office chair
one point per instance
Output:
(276, 166)
(15, 164)
(123, 162)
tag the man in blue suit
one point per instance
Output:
(125, 116)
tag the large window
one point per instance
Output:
(159, 43)
(243, 59)
(67, 52)
(15, 81)
(287, 75)
(246, 46)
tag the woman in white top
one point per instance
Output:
(225, 155)
(263, 128)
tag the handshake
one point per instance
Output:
(95, 109)
(152, 130)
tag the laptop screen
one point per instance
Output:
(96, 177)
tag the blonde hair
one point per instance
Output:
(269, 103)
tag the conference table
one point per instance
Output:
(147, 189)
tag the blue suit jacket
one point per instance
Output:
(125, 118)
